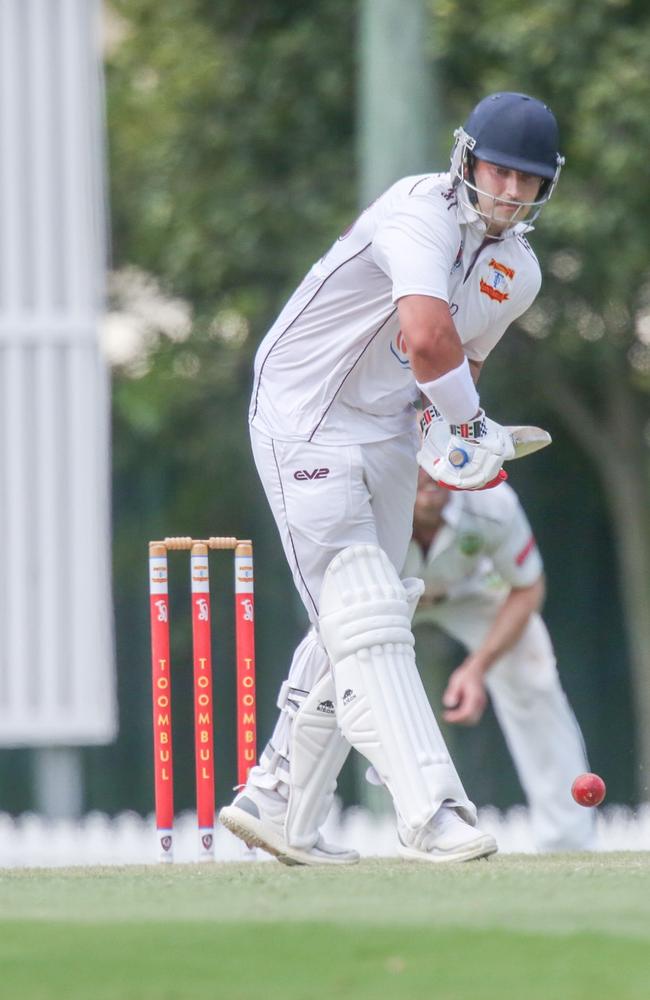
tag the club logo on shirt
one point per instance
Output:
(398, 349)
(497, 286)
(470, 544)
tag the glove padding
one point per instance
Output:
(435, 438)
(472, 455)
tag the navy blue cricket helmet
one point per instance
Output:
(514, 131)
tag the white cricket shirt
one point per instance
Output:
(333, 368)
(483, 532)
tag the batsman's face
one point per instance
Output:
(505, 196)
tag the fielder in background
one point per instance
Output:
(410, 299)
(484, 586)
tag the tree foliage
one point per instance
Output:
(230, 144)
(586, 62)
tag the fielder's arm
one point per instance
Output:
(465, 697)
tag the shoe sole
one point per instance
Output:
(483, 847)
(252, 832)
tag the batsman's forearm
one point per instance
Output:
(434, 346)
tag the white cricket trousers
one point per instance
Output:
(539, 727)
(323, 499)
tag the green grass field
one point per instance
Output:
(564, 927)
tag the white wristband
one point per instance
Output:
(454, 393)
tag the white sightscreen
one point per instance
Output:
(56, 644)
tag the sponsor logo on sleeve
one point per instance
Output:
(451, 197)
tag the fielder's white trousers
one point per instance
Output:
(539, 727)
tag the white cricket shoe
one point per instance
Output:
(257, 816)
(446, 837)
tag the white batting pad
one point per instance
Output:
(309, 664)
(382, 707)
(317, 753)
(414, 588)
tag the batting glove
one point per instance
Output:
(474, 455)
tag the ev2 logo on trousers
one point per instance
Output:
(302, 474)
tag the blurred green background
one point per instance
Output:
(235, 158)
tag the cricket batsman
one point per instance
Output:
(410, 300)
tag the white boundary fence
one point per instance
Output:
(33, 841)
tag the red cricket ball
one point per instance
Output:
(588, 789)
